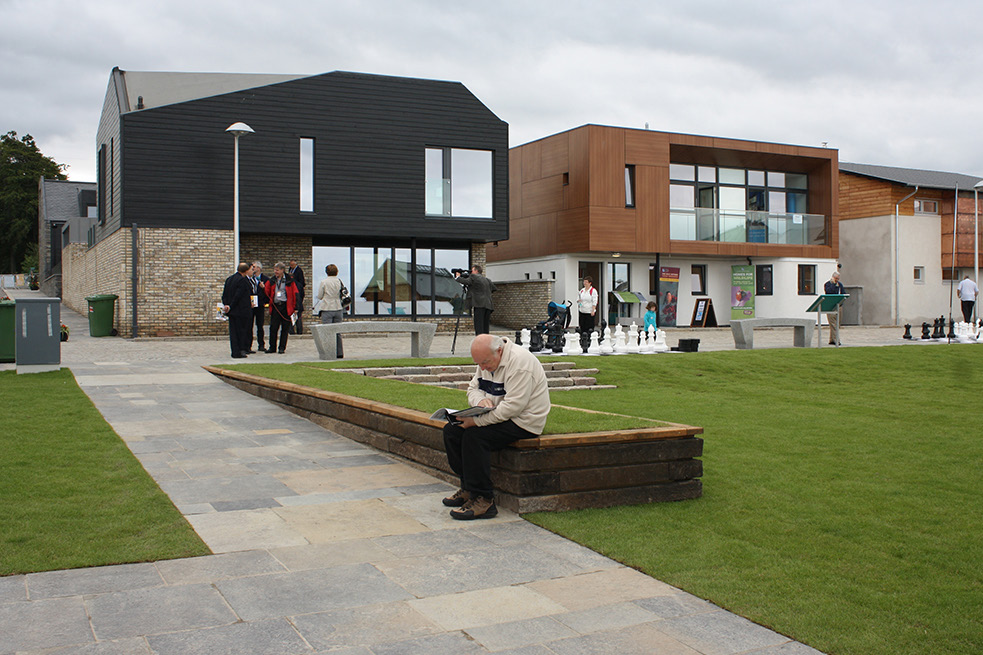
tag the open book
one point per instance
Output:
(452, 416)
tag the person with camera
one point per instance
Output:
(480, 290)
(329, 306)
(282, 293)
(510, 380)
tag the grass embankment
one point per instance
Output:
(72, 494)
(427, 398)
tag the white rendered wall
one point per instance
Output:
(784, 303)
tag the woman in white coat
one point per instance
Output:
(329, 305)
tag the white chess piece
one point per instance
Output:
(620, 346)
(525, 334)
(595, 347)
(660, 342)
(572, 346)
(606, 347)
(646, 342)
(633, 346)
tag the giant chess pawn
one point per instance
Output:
(606, 347)
(620, 345)
(660, 342)
(594, 348)
(524, 339)
(646, 342)
(584, 340)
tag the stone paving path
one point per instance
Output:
(325, 545)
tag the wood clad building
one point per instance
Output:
(897, 239)
(622, 205)
(395, 180)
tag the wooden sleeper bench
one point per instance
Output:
(743, 330)
(546, 473)
(421, 335)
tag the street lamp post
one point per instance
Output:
(237, 130)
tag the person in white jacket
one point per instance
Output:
(511, 382)
(587, 305)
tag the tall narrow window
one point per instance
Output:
(306, 175)
(807, 279)
(112, 177)
(698, 277)
(629, 186)
(102, 184)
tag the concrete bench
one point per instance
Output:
(547, 473)
(421, 335)
(743, 330)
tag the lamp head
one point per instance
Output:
(238, 129)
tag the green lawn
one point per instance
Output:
(843, 500)
(71, 493)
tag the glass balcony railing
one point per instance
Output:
(735, 226)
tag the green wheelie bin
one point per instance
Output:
(101, 312)
(7, 340)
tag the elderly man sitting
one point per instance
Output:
(511, 381)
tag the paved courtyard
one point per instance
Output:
(324, 545)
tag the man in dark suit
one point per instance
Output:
(258, 282)
(297, 273)
(480, 291)
(235, 301)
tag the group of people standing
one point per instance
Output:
(249, 297)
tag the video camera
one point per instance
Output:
(460, 272)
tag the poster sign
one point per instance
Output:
(668, 291)
(741, 292)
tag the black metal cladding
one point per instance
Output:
(370, 137)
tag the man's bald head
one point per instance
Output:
(486, 351)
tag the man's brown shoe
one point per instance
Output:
(458, 499)
(478, 507)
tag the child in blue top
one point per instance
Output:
(651, 316)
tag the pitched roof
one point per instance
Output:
(166, 88)
(61, 198)
(913, 176)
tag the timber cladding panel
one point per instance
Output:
(370, 136)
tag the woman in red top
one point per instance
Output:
(282, 292)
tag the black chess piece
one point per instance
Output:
(907, 331)
(952, 329)
(925, 334)
(585, 340)
(536, 341)
(938, 332)
(518, 337)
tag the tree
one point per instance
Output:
(22, 164)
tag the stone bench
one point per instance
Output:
(547, 473)
(421, 335)
(743, 330)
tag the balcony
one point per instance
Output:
(736, 226)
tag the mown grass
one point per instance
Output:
(71, 493)
(843, 501)
(426, 398)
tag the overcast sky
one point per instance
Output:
(890, 82)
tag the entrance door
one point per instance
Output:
(593, 269)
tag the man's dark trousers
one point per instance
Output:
(968, 310)
(469, 452)
(240, 334)
(259, 314)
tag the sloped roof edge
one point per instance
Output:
(924, 179)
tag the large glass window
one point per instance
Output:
(384, 281)
(459, 182)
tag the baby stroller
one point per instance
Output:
(548, 334)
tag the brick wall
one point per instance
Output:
(521, 304)
(102, 269)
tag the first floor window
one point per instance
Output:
(458, 182)
(807, 279)
(629, 186)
